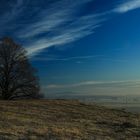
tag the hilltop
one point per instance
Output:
(65, 120)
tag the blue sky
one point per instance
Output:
(81, 47)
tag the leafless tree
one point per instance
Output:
(18, 78)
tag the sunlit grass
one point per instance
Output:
(63, 119)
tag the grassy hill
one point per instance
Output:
(65, 120)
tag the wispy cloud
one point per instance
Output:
(91, 88)
(13, 11)
(79, 59)
(59, 24)
(10, 15)
(127, 6)
(67, 58)
(54, 23)
(77, 29)
(56, 14)
(129, 83)
(63, 27)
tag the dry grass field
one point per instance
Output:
(65, 120)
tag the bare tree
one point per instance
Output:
(18, 78)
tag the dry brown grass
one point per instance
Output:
(65, 120)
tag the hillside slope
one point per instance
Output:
(65, 120)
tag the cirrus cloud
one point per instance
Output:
(127, 6)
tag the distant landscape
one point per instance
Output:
(128, 103)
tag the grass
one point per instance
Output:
(65, 120)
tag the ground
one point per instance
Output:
(65, 120)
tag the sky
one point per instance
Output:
(79, 47)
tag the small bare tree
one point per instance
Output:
(18, 78)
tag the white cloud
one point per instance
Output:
(57, 58)
(56, 14)
(67, 58)
(127, 6)
(60, 21)
(91, 88)
(129, 83)
(78, 29)
(44, 25)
